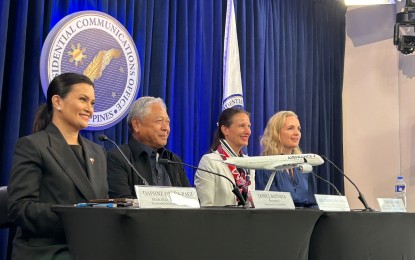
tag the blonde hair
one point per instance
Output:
(270, 140)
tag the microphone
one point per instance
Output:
(235, 190)
(105, 138)
(331, 184)
(361, 196)
(307, 168)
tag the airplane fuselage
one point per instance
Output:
(275, 162)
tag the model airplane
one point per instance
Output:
(277, 162)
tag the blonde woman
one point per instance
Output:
(282, 135)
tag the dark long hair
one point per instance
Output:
(61, 85)
(225, 119)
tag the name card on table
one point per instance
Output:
(166, 197)
(391, 205)
(332, 202)
(272, 199)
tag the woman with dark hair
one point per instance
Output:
(53, 166)
(232, 134)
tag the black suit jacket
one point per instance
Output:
(46, 172)
(122, 179)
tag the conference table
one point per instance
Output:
(207, 233)
(236, 233)
(363, 235)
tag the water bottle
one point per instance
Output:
(400, 190)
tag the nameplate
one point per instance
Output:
(332, 202)
(166, 197)
(272, 200)
(391, 205)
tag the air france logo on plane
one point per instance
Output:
(305, 156)
(96, 45)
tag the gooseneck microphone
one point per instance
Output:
(105, 138)
(361, 196)
(235, 189)
(326, 181)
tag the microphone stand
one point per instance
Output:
(235, 189)
(326, 181)
(361, 197)
(104, 138)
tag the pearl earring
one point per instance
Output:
(59, 109)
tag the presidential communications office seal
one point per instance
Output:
(96, 45)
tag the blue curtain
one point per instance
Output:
(291, 52)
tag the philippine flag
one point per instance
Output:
(232, 83)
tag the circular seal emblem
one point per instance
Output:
(96, 45)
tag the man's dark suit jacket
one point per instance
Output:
(46, 172)
(121, 178)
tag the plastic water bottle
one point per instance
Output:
(400, 190)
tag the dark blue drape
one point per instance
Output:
(291, 53)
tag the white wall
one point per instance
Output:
(378, 107)
(406, 89)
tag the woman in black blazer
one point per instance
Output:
(55, 166)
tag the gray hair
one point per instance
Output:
(139, 109)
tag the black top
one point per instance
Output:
(158, 171)
(79, 153)
(121, 177)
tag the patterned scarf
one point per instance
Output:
(242, 176)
